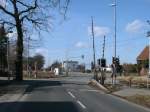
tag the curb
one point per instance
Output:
(94, 83)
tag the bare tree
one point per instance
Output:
(24, 15)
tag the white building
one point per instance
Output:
(70, 65)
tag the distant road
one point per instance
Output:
(68, 94)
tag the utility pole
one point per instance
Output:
(148, 75)
(93, 37)
(103, 48)
(102, 64)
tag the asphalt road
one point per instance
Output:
(63, 95)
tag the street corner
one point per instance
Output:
(97, 85)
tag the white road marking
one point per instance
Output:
(89, 90)
(71, 95)
(81, 104)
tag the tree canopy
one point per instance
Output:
(37, 60)
(24, 16)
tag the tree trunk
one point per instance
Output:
(19, 51)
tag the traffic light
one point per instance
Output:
(117, 61)
(102, 62)
(113, 60)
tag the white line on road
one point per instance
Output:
(86, 90)
(81, 104)
(71, 95)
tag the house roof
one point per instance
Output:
(144, 55)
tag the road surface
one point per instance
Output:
(67, 95)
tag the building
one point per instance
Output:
(143, 61)
(143, 58)
(70, 65)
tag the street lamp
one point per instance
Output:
(114, 5)
(115, 26)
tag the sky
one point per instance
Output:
(72, 38)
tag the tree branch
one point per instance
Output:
(25, 5)
(6, 11)
(7, 22)
(29, 8)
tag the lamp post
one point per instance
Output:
(114, 5)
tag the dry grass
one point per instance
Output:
(140, 81)
(140, 99)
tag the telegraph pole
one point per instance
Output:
(93, 37)
(103, 48)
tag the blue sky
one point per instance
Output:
(72, 38)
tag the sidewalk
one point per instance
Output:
(138, 96)
(11, 92)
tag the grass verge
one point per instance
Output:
(143, 100)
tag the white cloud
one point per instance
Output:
(99, 31)
(42, 51)
(135, 26)
(81, 45)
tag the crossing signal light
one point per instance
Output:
(116, 61)
(102, 62)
